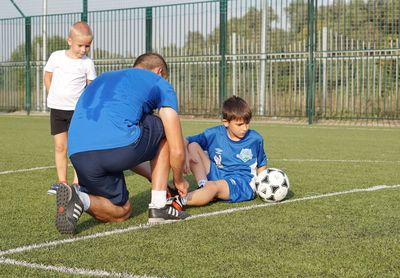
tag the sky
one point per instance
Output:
(189, 20)
(35, 7)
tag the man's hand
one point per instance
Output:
(182, 187)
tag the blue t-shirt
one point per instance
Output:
(109, 110)
(232, 158)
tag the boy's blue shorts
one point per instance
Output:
(100, 172)
(239, 186)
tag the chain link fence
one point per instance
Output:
(290, 58)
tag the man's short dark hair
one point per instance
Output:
(150, 61)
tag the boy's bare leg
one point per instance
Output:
(211, 190)
(60, 154)
(199, 162)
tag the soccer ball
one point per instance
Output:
(272, 185)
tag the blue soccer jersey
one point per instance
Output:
(109, 110)
(232, 158)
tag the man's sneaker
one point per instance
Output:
(53, 189)
(69, 209)
(166, 214)
(176, 202)
(76, 186)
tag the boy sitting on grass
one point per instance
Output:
(225, 159)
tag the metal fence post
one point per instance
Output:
(222, 48)
(149, 29)
(28, 50)
(310, 67)
(84, 14)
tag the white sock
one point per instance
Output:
(184, 200)
(84, 198)
(158, 198)
(201, 183)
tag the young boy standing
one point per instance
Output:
(67, 73)
(225, 159)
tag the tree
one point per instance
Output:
(18, 56)
(195, 43)
(298, 14)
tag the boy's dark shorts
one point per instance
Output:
(60, 120)
(101, 172)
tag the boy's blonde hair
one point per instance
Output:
(80, 28)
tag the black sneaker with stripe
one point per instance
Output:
(166, 214)
(69, 209)
(53, 189)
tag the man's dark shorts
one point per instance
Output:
(60, 120)
(101, 172)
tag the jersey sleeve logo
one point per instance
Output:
(218, 158)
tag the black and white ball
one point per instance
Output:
(272, 185)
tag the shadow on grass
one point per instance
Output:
(290, 195)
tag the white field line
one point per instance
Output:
(282, 159)
(94, 272)
(344, 127)
(69, 270)
(26, 170)
(337, 160)
(27, 248)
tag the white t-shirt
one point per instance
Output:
(69, 79)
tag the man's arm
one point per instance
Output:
(176, 145)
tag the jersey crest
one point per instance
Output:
(245, 155)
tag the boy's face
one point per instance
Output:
(79, 45)
(237, 129)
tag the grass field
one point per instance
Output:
(341, 218)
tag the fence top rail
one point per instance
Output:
(115, 10)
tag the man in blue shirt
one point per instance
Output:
(113, 129)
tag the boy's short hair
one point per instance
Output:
(150, 61)
(80, 28)
(236, 108)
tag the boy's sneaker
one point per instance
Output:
(69, 209)
(166, 214)
(174, 199)
(176, 202)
